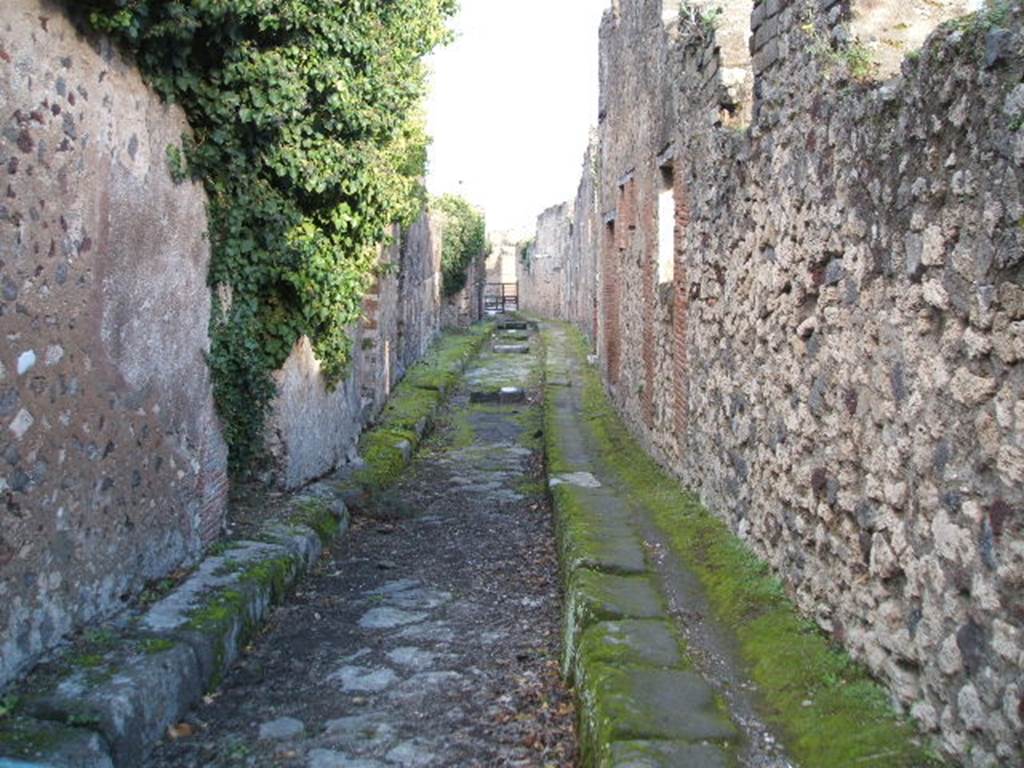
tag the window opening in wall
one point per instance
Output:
(666, 226)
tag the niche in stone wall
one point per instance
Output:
(884, 32)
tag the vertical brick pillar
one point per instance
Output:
(680, 351)
(213, 486)
(610, 289)
(649, 259)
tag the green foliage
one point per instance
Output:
(308, 136)
(525, 251)
(465, 238)
(154, 645)
(993, 13)
(856, 58)
(8, 706)
(699, 19)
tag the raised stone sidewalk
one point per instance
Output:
(113, 698)
(682, 648)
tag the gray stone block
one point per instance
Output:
(665, 754)
(132, 709)
(512, 349)
(28, 743)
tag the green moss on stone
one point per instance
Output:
(641, 704)
(463, 434)
(223, 608)
(591, 536)
(86, 660)
(154, 645)
(274, 574)
(592, 597)
(441, 367)
(218, 617)
(315, 514)
(9, 706)
(20, 737)
(385, 458)
(666, 754)
(410, 409)
(531, 488)
(633, 642)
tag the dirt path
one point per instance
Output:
(430, 635)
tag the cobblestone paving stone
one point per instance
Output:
(429, 635)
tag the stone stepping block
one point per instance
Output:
(645, 704)
(27, 742)
(503, 396)
(513, 325)
(665, 754)
(594, 531)
(282, 729)
(512, 349)
(631, 642)
(132, 709)
(592, 597)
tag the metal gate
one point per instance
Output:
(501, 298)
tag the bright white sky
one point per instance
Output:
(511, 103)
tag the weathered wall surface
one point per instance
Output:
(419, 291)
(580, 291)
(466, 307)
(113, 467)
(501, 261)
(834, 358)
(541, 283)
(313, 429)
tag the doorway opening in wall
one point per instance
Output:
(610, 289)
(666, 226)
(500, 298)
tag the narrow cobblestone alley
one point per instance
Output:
(676, 423)
(430, 634)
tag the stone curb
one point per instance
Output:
(146, 678)
(390, 445)
(639, 703)
(114, 712)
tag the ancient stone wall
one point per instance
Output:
(419, 291)
(541, 282)
(313, 428)
(826, 344)
(557, 275)
(113, 466)
(467, 306)
(501, 261)
(580, 289)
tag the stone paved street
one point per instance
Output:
(429, 636)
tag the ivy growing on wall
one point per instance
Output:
(465, 238)
(308, 137)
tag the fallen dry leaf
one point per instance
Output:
(180, 731)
